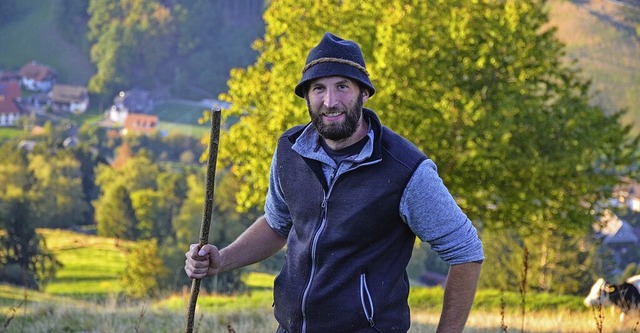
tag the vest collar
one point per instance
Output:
(306, 142)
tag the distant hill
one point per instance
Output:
(34, 36)
(604, 36)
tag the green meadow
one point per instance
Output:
(92, 265)
(85, 297)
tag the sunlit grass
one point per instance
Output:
(84, 298)
(91, 265)
(10, 133)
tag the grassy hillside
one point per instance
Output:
(84, 298)
(92, 265)
(34, 36)
(604, 37)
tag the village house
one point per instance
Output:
(68, 98)
(619, 237)
(615, 232)
(9, 110)
(37, 77)
(138, 123)
(10, 76)
(130, 101)
(618, 227)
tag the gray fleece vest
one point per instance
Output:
(348, 248)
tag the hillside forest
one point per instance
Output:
(482, 87)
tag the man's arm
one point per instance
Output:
(255, 244)
(459, 293)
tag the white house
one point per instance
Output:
(131, 101)
(37, 77)
(68, 98)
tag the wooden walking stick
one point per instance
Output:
(214, 141)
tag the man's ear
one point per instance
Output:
(365, 95)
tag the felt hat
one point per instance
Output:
(335, 56)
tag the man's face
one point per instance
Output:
(335, 106)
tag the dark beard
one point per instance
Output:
(333, 131)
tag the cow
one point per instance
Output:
(624, 297)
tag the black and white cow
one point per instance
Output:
(624, 297)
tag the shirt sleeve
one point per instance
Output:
(434, 216)
(276, 210)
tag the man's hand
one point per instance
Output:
(203, 262)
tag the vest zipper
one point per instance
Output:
(366, 300)
(314, 248)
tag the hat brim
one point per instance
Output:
(333, 69)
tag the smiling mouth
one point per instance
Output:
(332, 114)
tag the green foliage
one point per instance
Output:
(481, 87)
(144, 270)
(133, 42)
(504, 267)
(58, 189)
(21, 250)
(186, 48)
(115, 216)
(226, 225)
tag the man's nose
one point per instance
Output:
(330, 99)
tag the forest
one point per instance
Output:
(482, 88)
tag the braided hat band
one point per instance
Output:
(335, 56)
(338, 60)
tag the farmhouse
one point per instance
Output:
(131, 101)
(68, 98)
(616, 232)
(619, 237)
(9, 111)
(137, 123)
(37, 77)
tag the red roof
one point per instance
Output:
(9, 91)
(138, 122)
(36, 71)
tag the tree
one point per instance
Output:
(137, 172)
(57, 193)
(133, 42)
(89, 159)
(207, 57)
(115, 216)
(24, 258)
(185, 48)
(22, 247)
(480, 86)
(148, 210)
(144, 270)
